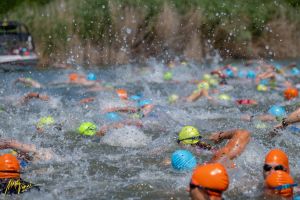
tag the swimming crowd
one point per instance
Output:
(210, 179)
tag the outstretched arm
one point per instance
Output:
(32, 95)
(118, 125)
(294, 117)
(238, 140)
(127, 109)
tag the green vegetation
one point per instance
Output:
(117, 31)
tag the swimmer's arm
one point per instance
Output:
(294, 117)
(25, 148)
(32, 95)
(236, 145)
(194, 96)
(147, 109)
(127, 109)
(118, 125)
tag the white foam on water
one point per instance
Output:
(128, 136)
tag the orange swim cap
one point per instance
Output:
(290, 93)
(277, 156)
(9, 166)
(280, 178)
(73, 77)
(211, 176)
(122, 93)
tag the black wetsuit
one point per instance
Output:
(15, 186)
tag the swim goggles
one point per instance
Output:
(286, 186)
(190, 138)
(269, 167)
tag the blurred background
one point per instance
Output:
(97, 32)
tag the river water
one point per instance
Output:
(127, 163)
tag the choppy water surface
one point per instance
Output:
(127, 163)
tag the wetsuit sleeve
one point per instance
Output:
(16, 186)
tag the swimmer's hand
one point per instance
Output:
(216, 137)
(166, 162)
(43, 154)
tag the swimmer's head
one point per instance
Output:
(122, 93)
(207, 77)
(173, 98)
(209, 178)
(224, 97)
(251, 74)
(189, 135)
(280, 183)
(9, 166)
(183, 160)
(276, 159)
(203, 85)
(168, 76)
(262, 88)
(295, 71)
(113, 116)
(229, 73)
(135, 97)
(45, 121)
(73, 77)
(290, 93)
(277, 111)
(91, 77)
(144, 103)
(87, 128)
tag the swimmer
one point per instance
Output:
(238, 140)
(26, 152)
(87, 100)
(78, 79)
(294, 117)
(144, 108)
(280, 183)
(275, 160)
(10, 179)
(90, 129)
(33, 95)
(208, 182)
(201, 91)
(29, 82)
(246, 102)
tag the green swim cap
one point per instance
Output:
(44, 121)
(262, 88)
(168, 76)
(173, 98)
(189, 135)
(87, 128)
(203, 85)
(224, 97)
(207, 77)
(213, 82)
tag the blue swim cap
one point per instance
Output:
(277, 111)
(295, 71)
(183, 160)
(264, 82)
(251, 74)
(91, 77)
(144, 102)
(242, 74)
(277, 66)
(112, 116)
(23, 163)
(229, 73)
(135, 97)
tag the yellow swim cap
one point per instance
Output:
(262, 88)
(189, 135)
(207, 77)
(224, 97)
(203, 85)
